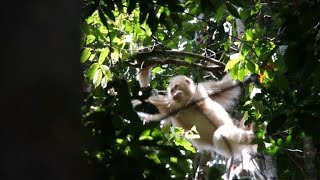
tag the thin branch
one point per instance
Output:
(156, 52)
(294, 150)
(194, 55)
(182, 63)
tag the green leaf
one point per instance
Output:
(192, 133)
(92, 56)
(188, 59)
(104, 82)
(279, 141)
(156, 70)
(115, 55)
(103, 54)
(90, 38)
(234, 73)
(145, 135)
(260, 134)
(179, 141)
(154, 157)
(105, 69)
(227, 45)
(146, 132)
(220, 13)
(250, 66)
(92, 70)
(97, 78)
(242, 73)
(234, 59)
(245, 14)
(233, 11)
(258, 106)
(288, 139)
(85, 55)
(249, 35)
(174, 159)
(272, 150)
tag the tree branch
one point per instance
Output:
(163, 61)
(184, 63)
(145, 55)
(194, 55)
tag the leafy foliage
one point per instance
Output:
(280, 42)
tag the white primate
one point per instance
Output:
(204, 106)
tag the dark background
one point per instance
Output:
(40, 134)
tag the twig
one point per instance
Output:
(181, 63)
(156, 52)
(294, 150)
(190, 54)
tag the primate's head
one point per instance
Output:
(181, 89)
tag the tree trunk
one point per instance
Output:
(309, 157)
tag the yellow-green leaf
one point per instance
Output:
(92, 70)
(234, 59)
(249, 35)
(174, 159)
(115, 55)
(97, 78)
(103, 54)
(90, 39)
(85, 55)
(105, 69)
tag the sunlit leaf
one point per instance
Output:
(105, 69)
(85, 55)
(174, 159)
(115, 55)
(92, 70)
(184, 143)
(97, 78)
(154, 157)
(92, 56)
(192, 133)
(249, 35)
(234, 59)
(156, 70)
(260, 134)
(103, 54)
(90, 38)
(104, 82)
